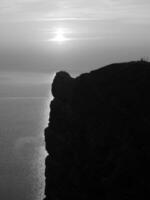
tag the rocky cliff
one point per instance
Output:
(98, 137)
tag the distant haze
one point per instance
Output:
(39, 37)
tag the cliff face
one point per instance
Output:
(98, 135)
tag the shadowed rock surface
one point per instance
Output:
(98, 137)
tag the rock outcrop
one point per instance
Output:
(98, 137)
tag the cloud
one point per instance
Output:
(24, 78)
(41, 10)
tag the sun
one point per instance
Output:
(59, 36)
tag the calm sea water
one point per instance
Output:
(22, 148)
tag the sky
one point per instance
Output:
(40, 37)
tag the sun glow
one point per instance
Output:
(60, 36)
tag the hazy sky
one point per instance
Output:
(38, 37)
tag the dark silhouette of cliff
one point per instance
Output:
(98, 137)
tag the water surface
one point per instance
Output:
(22, 149)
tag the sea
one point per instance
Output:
(22, 147)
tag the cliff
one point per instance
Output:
(98, 135)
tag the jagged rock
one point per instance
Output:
(98, 135)
(62, 86)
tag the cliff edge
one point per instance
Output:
(98, 137)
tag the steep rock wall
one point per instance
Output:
(98, 137)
